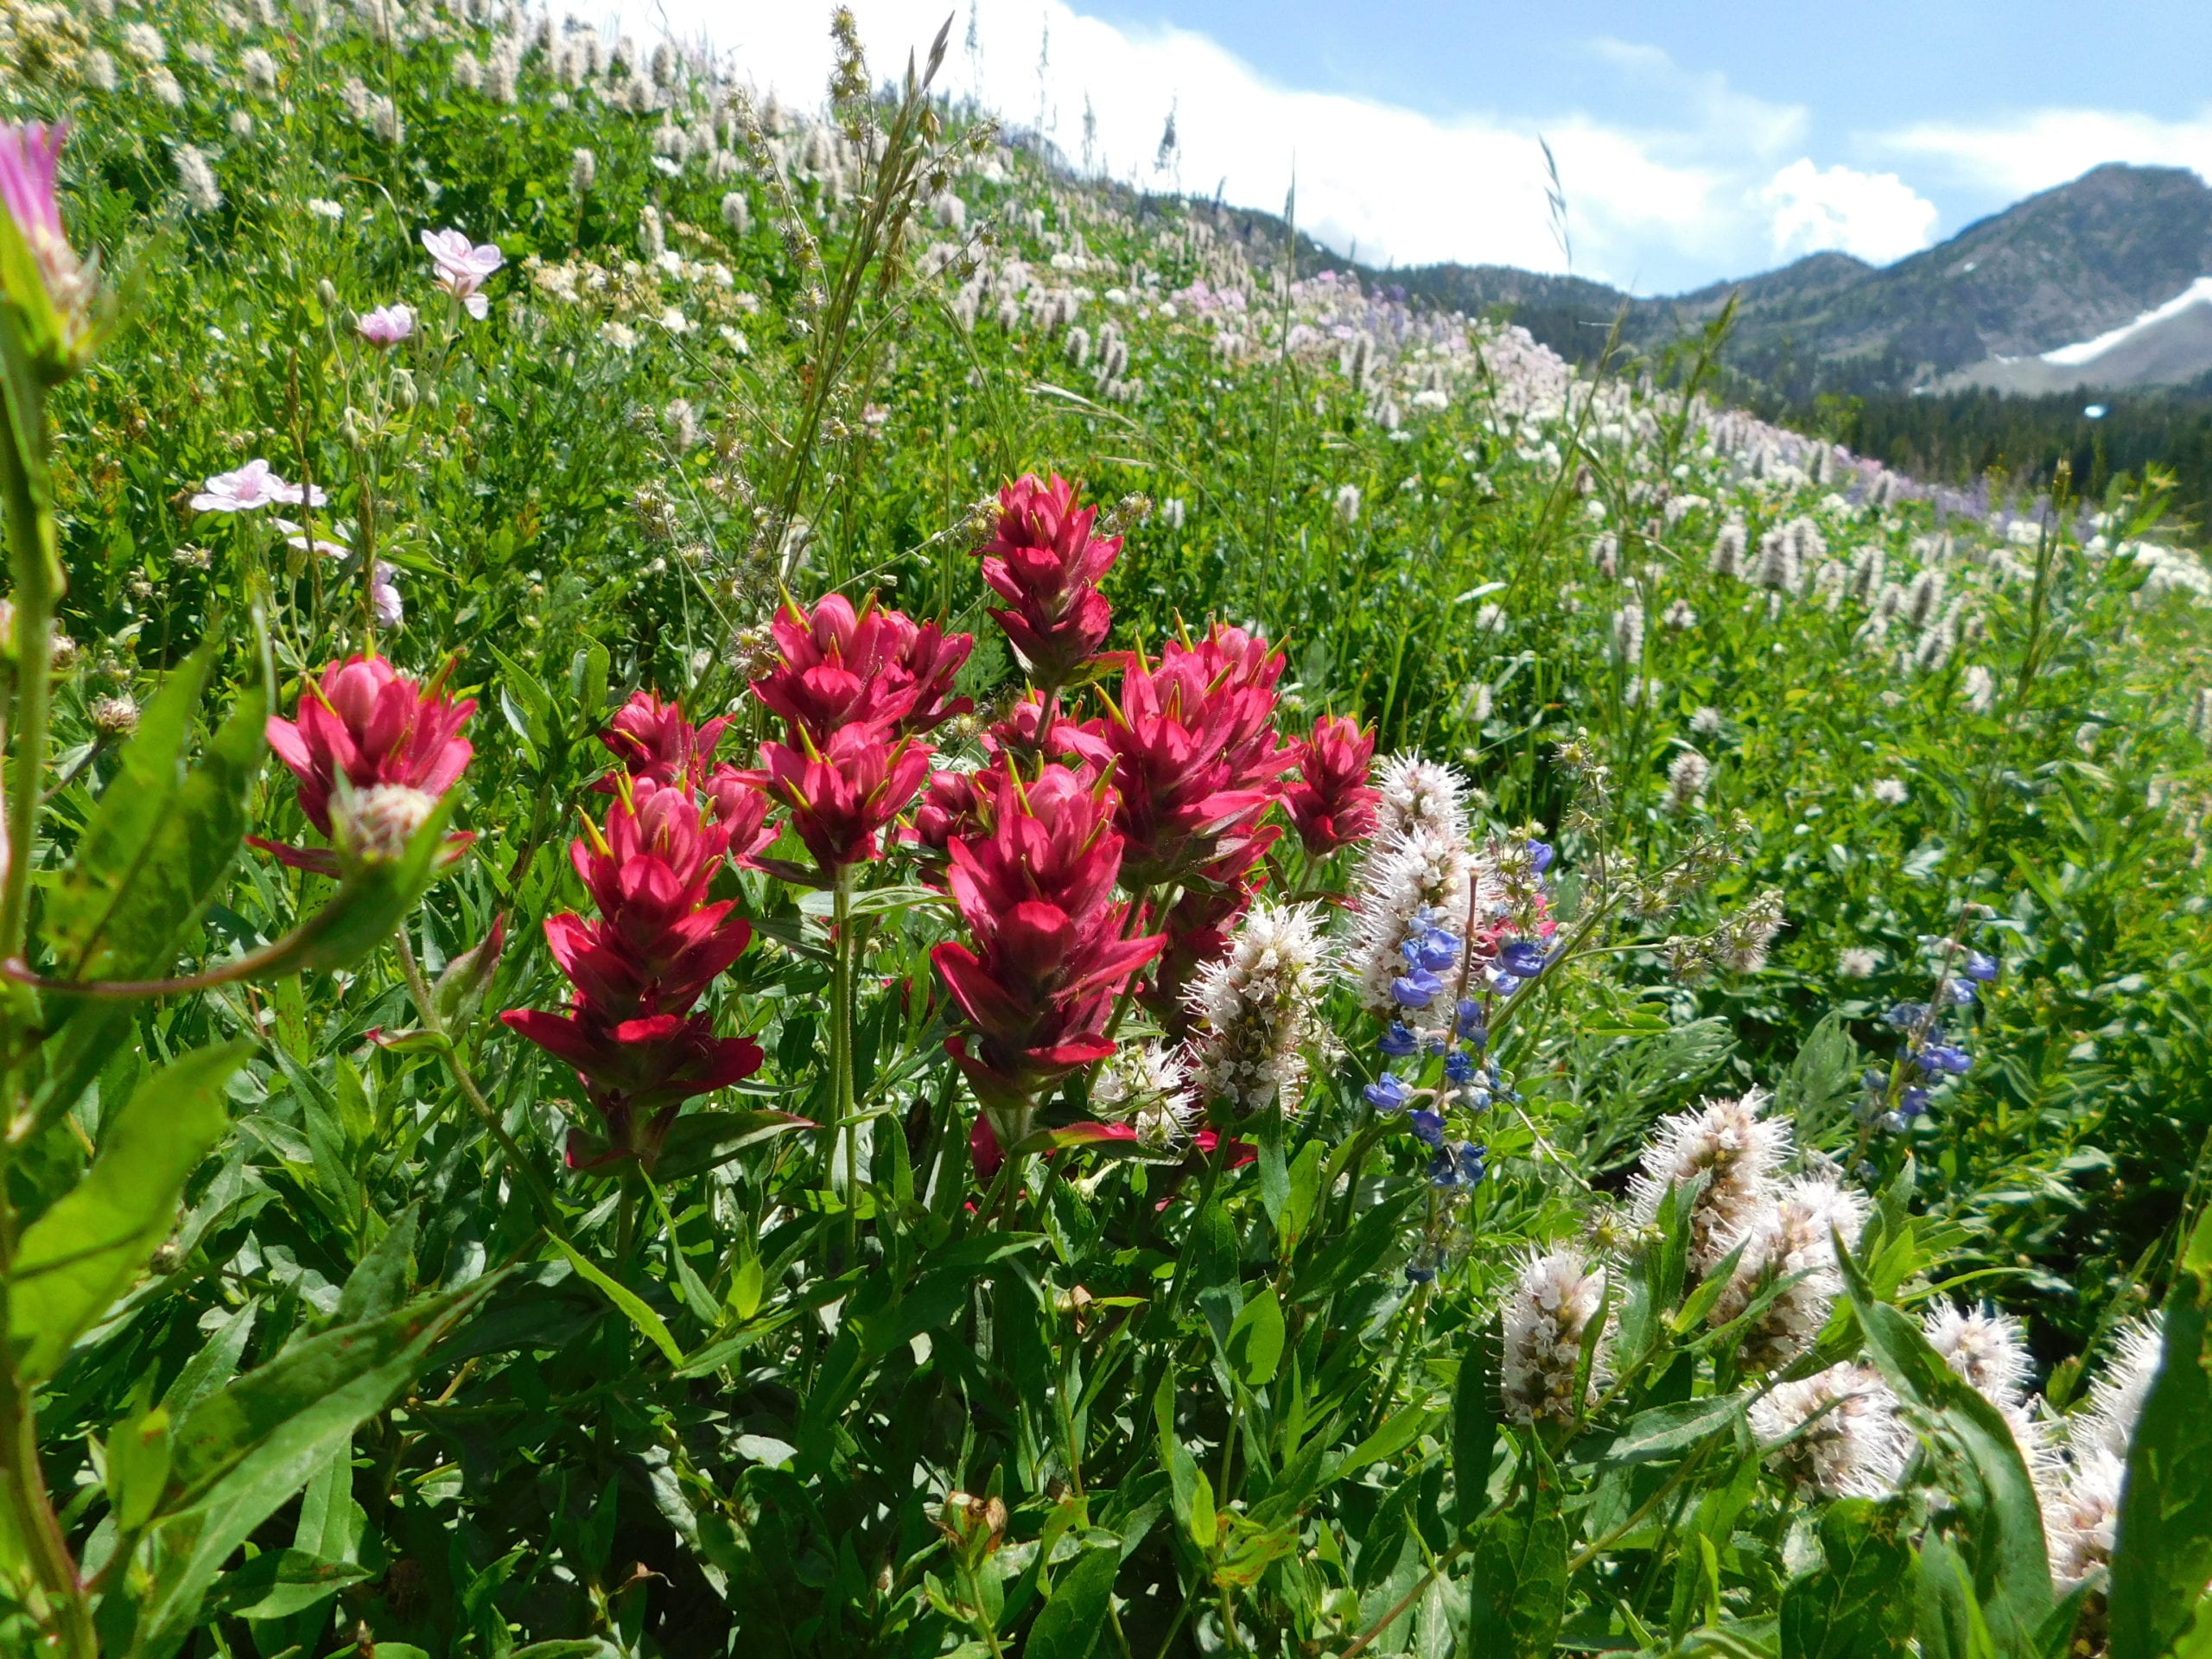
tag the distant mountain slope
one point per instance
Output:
(2061, 267)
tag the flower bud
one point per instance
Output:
(114, 717)
(326, 291)
(402, 388)
(375, 825)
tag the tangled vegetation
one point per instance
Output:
(1450, 1005)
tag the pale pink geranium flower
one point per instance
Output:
(461, 268)
(296, 536)
(383, 594)
(252, 486)
(385, 326)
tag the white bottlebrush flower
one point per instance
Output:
(1890, 792)
(1736, 1147)
(584, 171)
(1418, 794)
(1401, 882)
(260, 70)
(1258, 1009)
(384, 120)
(168, 91)
(1978, 687)
(240, 124)
(1548, 1315)
(1984, 1349)
(467, 72)
(737, 213)
(1628, 633)
(1705, 721)
(1728, 549)
(1924, 599)
(2080, 1516)
(1679, 616)
(1605, 554)
(1348, 504)
(652, 237)
(1849, 1442)
(1867, 568)
(145, 42)
(1685, 781)
(1146, 1086)
(1790, 1241)
(196, 180)
(1859, 962)
(1778, 567)
(99, 71)
(2116, 1398)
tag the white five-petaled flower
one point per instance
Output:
(462, 268)
(253, 486)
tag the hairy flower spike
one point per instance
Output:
(1548, 1315)
(1849, 1441)
(1258, 1009)
(1736, 1148)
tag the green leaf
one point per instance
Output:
(1860, 1605)
(2163, 1556)
(120, 835)
(1663, 1431)
(137, 1468)
(379, 1282)
(2001, 1515)
(1070, 1624)
(1519, 1581)
(1204, 1523)
(245, 1449)
(77, 1257)
(1256, 1338)
(649, 1323)
(1305, 1188)
(1474, 1425)
(700, 1141)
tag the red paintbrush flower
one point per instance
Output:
(1046, 563)
(1331, 802)
(652, 739)
(1193, 748)
(367, 722)
(1048, 957)
(838, 667)
(639, 966)
(949, 807)
(841, 793)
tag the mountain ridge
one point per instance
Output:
(2062, 266)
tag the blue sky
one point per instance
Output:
(1695, 142)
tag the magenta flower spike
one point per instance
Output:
(52, 288)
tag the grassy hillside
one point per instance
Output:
(869, 1349)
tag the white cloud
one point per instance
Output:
(2037, 149)
(1665, 206)
(1877, 216)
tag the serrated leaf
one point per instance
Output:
(1859, 1605)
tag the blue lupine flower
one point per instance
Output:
(1399, 1042)
(1428, 1126)
(1958, 992)
(1417, 989)
(1539, 856)
(1502, 982)
(1432, 948)
(1460, 1166)
(1386, 1093)
(1523, 959)
(1460, 1066)
(1471, 1024)
(1894, 1122)
(1422, 1269)
(1913, 1102)
(1944, 1057)
(1978, 967)
(1905, 1015)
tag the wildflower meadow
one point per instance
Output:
(776, 883)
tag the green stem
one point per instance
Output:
(36, 568)
(841, 1060)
